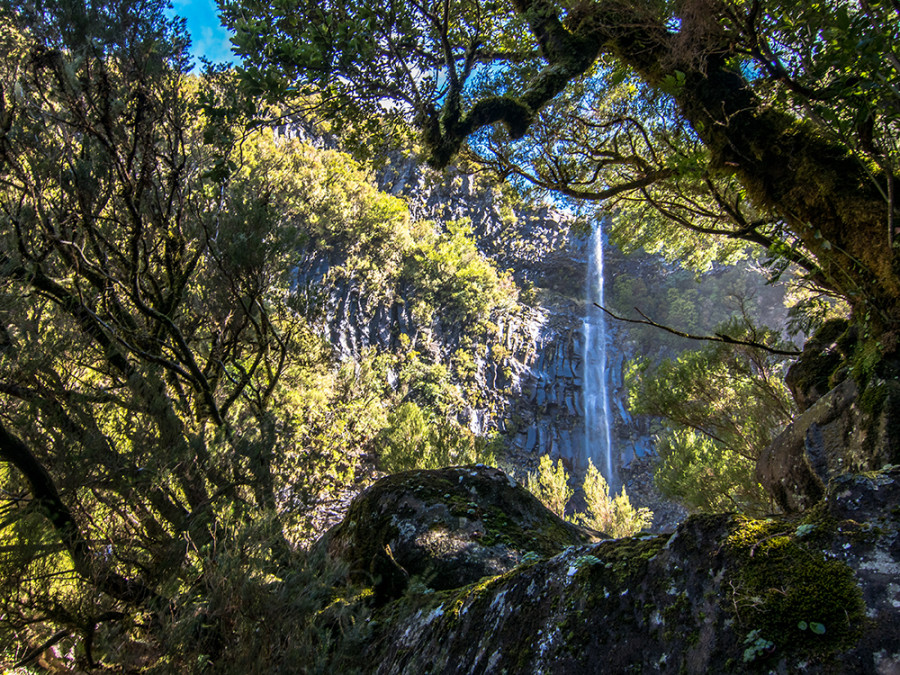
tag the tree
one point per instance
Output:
(611, 514)
(741, 119)
(550, 484)
(614, 515)
(162, 400)
(143, 312)
(169, 410)
(719, 406)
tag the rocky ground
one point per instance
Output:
(722, 594)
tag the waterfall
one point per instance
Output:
(597, 431)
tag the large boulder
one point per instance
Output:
(444, 529)
(723, 594)
(843, 431)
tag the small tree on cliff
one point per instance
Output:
(550, 484)
(741, 119)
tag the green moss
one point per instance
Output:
(782, 586)
(628, 558)
(481, 591)
(877, 397)
(547, 537)
(675, 611)
(865, 364)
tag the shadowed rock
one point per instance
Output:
(841, 432)
(445, 528)
(723, 594)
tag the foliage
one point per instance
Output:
(448, 273)
(336, 205)
(414, 440)
(305, 614)
(137, 319)
(720, 406)
(612, 515)
(675, 297)
(550, 484)
(727, 123)
(170, 409)
(704, 475)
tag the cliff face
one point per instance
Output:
(525, 373)
(546, 250)
(722, 594)
(527, 382)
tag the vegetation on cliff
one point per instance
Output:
(613, 515)
(170, 407)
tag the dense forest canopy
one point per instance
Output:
(168, 397)
(745, 120)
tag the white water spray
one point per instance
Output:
(597, 422)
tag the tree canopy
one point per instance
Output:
(718, 407)
(169, 407)
(742, 119)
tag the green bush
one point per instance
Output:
(447, 272)
(717, 407)
(614, 516)
(415, 440)
(550, 484)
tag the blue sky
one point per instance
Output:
(208, 37)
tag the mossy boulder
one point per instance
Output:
(723, 594)
(444, 529)
(844, 431)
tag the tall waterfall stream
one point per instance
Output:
(598, 434)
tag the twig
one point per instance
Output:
(718, 337)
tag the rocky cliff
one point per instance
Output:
(525, 372)
(527, 380)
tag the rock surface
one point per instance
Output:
(841, 432)
(534, 394)
(445, 529)
(723, 594)
(811, 375)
